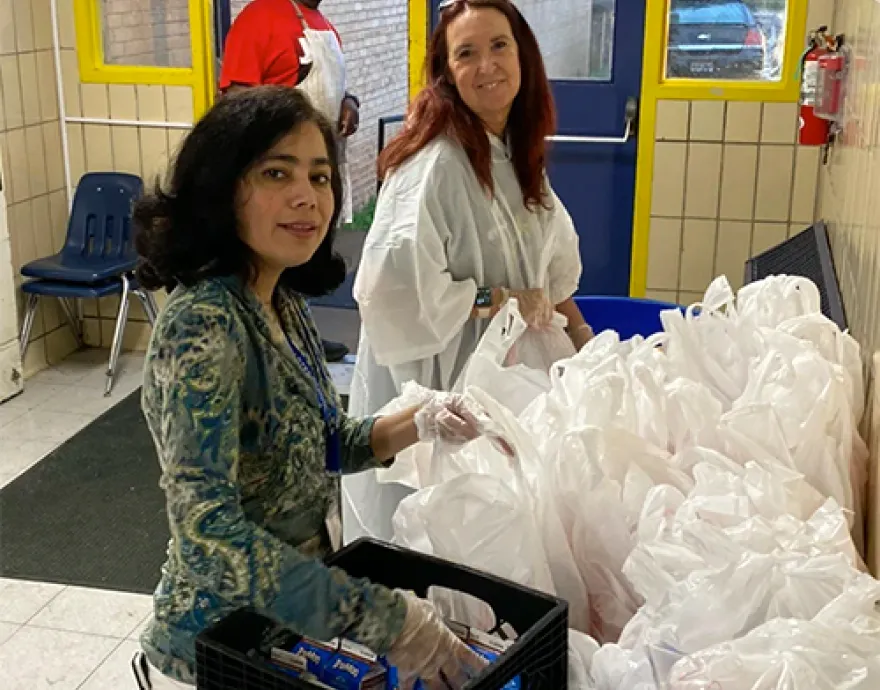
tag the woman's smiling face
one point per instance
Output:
(483, 61)
(285, 201)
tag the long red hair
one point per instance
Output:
(438, 109)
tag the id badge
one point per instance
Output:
(333, 521)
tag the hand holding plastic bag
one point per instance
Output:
(449, 418)
(490, 369)
(426, 649)
(535, 307)
(506, 523)
(452, 420)
(542, 348)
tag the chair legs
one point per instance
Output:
(70, 313)
(116, 347)
(151, 309)
(27, 325)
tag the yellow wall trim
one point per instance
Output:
(419, 27)
(652, 66)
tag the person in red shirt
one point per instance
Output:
(290, 42)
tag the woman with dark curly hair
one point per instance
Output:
(245, 418)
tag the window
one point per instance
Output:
(740, 40)
(148, 34)
(576, 37)
(159, 42)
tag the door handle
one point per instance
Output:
(630, 123)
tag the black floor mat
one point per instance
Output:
(91, 513)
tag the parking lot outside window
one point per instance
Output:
(741, 40)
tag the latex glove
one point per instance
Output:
(450, 418)
(534, 306)
(427, 649)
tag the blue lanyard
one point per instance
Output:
(329, 414)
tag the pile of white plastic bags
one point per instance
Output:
(696, 496)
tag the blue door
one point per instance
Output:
(593, 52)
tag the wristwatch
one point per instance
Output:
(483, 303)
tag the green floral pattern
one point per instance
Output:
(240, 438)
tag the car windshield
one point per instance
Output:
(708, 12)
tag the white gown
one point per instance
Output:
(436, 238)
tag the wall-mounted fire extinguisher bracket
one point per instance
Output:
(824, 69)
(831, 82)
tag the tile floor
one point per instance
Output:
(66, 637)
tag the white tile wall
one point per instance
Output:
(11, 379)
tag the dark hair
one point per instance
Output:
(438, 109)
(189, 231)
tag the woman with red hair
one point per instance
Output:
(465, 220)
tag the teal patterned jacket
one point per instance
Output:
(240, 439)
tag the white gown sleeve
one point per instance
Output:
(564, 274)
(410, 305)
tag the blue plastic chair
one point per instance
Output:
(98, 259)
(629, 316)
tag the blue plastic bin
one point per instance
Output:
(628, 316)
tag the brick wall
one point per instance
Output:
(374, 34)
(146, 32)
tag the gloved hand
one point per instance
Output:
(427, 649)
(449, 418)
(534, 306)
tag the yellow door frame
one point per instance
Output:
(419, 27)
(199, 77)
(655, 87)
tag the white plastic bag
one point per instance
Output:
(775, 299)
(581, 649)
(599, 478)
(722, 561)
(839, 649)
(512, 362)
(505, 523)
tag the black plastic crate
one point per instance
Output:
(806, 254)
(227, 656)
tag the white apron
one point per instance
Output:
(325, 86)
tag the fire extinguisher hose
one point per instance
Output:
(801, 62)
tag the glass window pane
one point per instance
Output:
(576, 36)
(726, 39)
(146, 33)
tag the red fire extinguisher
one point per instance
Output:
(814, 130)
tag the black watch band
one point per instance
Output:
(484, 298)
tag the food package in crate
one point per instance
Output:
(334, 665)
(343, 665)
(489, 647)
